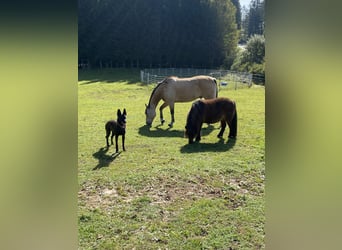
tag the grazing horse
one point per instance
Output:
(211, 111)
(173, 89)
(117, 128)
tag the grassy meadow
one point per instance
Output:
(162, 193)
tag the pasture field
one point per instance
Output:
(162, 193)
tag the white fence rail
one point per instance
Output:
(158, 74)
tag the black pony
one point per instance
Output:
(117, 128)
(211, 111)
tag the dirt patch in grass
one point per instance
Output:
(163, 192)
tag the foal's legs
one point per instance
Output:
(116, 143)
(164, 105)
(111, 138)
(123, 142)
(223, 127)
(108, 131)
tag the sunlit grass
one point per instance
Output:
(162, 192)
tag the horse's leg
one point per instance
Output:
(232, 126)
(123, 142)
(172, 111)
(164, 105)
(116, 143)
(198, 137)
(223, 127)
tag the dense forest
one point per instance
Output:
(252, 21)
(159, 33)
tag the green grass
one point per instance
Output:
(162, 193)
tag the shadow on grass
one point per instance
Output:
(167, 132)
(159, 132)
(109, 76)
(198, 147)
(104, 159)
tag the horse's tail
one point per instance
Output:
(216, 88)
(233, 128)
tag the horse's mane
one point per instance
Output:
(159, 84)
(168, 77)
(194, 112)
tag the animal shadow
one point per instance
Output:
(145, 130)
(103, 158)
(198, 147)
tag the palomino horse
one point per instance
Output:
(173, 89)
(211, 111)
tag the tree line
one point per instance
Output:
(158, 33)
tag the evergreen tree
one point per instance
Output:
(256, 18)
(244, 24)
(238, 13)
(253, 20)
(157, 33)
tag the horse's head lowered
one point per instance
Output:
(150, 114)
(121, 120)
(193, 122)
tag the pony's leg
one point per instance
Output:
(198, 137)
(172, 111)
(123, 142)
(233, 126)
(116, 143)
(223, 127)
(164, 105)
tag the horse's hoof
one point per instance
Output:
(162, 122)
(170, 125)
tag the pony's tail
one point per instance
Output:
(216, 87)
(233, 128)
